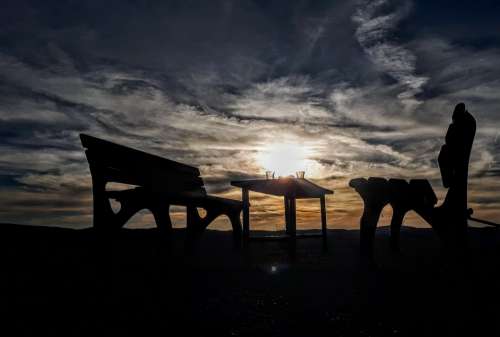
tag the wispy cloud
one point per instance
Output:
(376, 25)
(214, 85)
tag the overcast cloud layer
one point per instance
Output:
(367, 87)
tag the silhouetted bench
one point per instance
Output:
(449, 220)
(159, 183)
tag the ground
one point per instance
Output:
(74, 282)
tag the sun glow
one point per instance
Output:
(285, 158)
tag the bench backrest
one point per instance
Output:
(121, 164)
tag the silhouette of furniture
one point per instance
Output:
(449, 220)
(290, 189)
(159, 183)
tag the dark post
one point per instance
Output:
(398, 215)
(287, 215)
(323, 216)
(246, 213)
(293, 217)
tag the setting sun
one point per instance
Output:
(285, 158)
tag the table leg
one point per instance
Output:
(246, 213)
(292, 217)
(287, 215)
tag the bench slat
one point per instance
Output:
(124, 157)
(140, 174)
(152, 181)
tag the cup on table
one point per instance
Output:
(300, 174)
(269, 174)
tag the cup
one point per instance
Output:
(300, 174)
(269, 174)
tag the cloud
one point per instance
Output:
(373, 34)
(214, 85)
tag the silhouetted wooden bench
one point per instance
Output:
(158, 182)
(449, 220)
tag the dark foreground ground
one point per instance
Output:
(68, 282)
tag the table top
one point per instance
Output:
(298, 188)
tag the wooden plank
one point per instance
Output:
(120, 155)
(152, 181)
(147, 176)
(117, 163)
(305, 188)
(129, 163)
(299, 188)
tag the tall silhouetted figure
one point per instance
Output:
(454, 165)
(450, 218)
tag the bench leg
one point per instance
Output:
(192, 217)
(324, 230)
(196, 224)
(162, 218)
(193, 227)
(398, 214)
(245, 198)
(161, 214)
(234, 217)
(450, 226)
(368, 225)
(103, 213)
(131, 202)
(128, 209)
(375, 194)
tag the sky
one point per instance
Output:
(339, 89)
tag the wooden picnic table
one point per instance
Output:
(291, 189)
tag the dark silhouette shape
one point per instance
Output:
(133, 289)
(449, 220)
(160, 183)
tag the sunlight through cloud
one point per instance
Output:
(286, 158)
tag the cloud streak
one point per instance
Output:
(373, 34)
